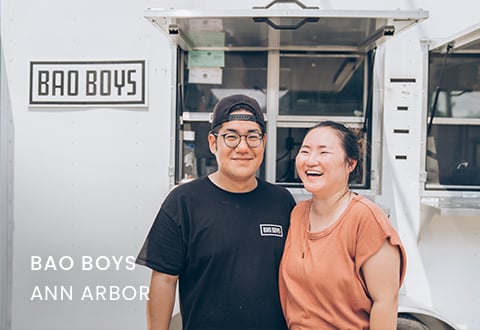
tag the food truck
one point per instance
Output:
(105, 108)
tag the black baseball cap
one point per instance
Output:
(224, 108)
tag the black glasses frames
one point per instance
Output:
(232, 140)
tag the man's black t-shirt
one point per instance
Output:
(226, 248)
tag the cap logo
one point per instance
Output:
(241, 116)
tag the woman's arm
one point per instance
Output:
(382, 277)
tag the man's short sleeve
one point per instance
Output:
(163, 249)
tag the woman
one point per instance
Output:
(343, 262)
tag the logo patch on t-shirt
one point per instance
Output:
(271, 230)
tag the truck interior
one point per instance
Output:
(303, 65)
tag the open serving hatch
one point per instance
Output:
(301, 63)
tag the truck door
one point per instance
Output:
(303, 65)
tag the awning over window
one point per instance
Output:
(308, 29)
(463, 42)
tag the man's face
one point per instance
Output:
(241, 162)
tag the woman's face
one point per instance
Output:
(322, 164)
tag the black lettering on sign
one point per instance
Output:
(43, 78)
(105, 80)
(57, 84)
(72, 82)
(90, 82)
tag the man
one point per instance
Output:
(221, 236)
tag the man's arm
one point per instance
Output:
(382, 276)
(161, 300)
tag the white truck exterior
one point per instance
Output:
(83, 172)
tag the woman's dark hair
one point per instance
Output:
(350, 143)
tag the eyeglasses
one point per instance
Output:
(232, 140)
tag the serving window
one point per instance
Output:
(303, 65)
(453, 155)
(312, 87)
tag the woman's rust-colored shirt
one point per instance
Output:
(321, 284)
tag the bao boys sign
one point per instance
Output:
(87, 83)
